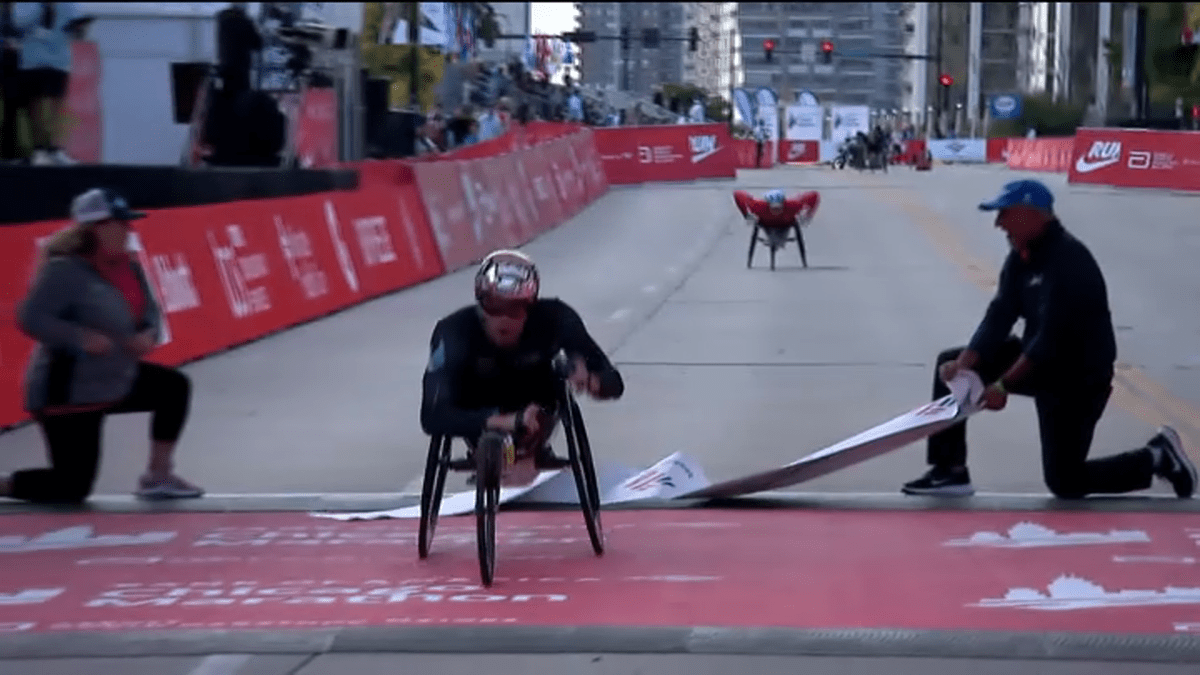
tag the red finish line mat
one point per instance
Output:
(992, 571)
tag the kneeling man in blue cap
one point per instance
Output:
(1064, 361)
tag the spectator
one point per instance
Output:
(574, 107)
(10, 83)
(94, 317)
(237, 41)
(490, 124)
(45, 69)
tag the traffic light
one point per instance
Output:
(827, 51)
(768, 49)
(693, 39)
(624, 38)
(946, 80)
(650, 38)
(580, 36)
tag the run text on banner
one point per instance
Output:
(1137, 158)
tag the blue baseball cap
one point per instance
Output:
(1021, 193)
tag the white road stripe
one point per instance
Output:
(221, 664)
(619, 315)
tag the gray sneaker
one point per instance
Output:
(1176, 467)
(166, 487)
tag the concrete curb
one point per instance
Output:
(613, 640)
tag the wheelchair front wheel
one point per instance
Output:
(487, 502)
(584, 470)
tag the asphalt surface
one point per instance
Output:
(742, 369)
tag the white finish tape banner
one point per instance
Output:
(679, 477)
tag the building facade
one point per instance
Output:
(638, 67)
(715, 66)
(857, 74)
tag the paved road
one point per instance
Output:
(742, 369)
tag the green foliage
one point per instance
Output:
(394, 62)
(715, 107)
(1041, 113)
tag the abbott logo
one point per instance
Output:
(702, 147)
(1138, 159)
(1100, 155)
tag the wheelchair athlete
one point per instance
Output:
(489, 374)
(775, 210)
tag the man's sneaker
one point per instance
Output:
(1175, 466)
(166, 487)
(942, 482)
(546, 460)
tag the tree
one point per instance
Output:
(393, 62)
(486, 24)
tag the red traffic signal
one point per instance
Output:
(827, 46)
(768, 44)
(946, 80)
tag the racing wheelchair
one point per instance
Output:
(784, 225)
(490, 462)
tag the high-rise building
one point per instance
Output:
(855, 75)
(1024, 48)
(715, 66)
(638, 67)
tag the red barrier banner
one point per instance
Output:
(746, 154)
(475, 206)
(228, 273)
(316, 128)
(81, 110)
(997, 150)
(681, 152)
(1137, 158)
(799, 151)
(1040, 154)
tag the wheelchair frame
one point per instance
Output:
(487, 466)
(757, 235)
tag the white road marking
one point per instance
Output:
(649, 288)
(221, 664)
(619, 315)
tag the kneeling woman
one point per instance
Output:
(92, 313)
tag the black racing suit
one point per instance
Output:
(468, 378)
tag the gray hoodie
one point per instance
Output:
(69, 294)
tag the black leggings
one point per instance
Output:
(73, 439)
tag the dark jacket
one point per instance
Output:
(468, 379)
(1061, 295)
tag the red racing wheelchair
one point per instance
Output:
(775, 219)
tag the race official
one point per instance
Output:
(1064, 361)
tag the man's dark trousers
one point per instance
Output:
(1067, 416)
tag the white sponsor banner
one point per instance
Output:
(804, 122)
(958, 149)
(848, 120)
